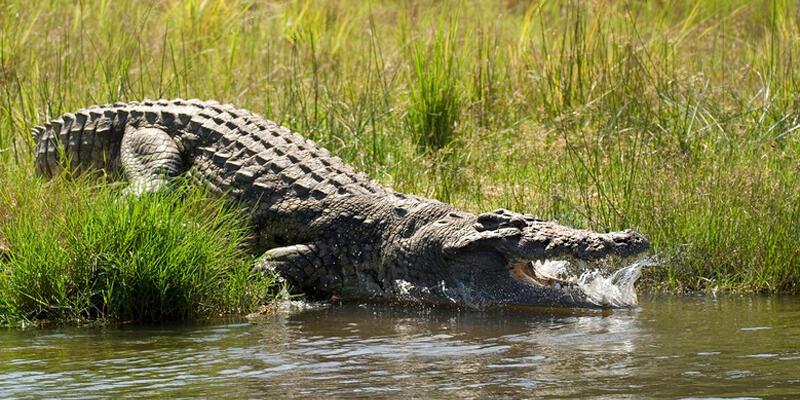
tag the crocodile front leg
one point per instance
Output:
(308, 266)
(150, 159)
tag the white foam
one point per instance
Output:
(616, 289)
(607, 289)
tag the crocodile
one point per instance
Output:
(328, 230)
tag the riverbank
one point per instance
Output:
(679, 121)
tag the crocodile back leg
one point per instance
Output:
(150, 158)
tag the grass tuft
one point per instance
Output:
(435, 97)
(104, 257)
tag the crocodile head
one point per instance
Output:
(500, 257)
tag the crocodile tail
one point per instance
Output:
(87, 139)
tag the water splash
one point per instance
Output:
(616, 290)
(601, 287)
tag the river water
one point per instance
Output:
(669, 347)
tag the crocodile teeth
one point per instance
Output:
(545, 274)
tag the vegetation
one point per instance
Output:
(435, 98)
(678, 119)
(82, 253)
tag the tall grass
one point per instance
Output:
(78, 255)
(435, 98)
(678, 119)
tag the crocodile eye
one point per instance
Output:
(491, 220)
(518, 222)
(500, 219)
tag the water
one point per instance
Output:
(669, 347)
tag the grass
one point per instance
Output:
(677, 119)
(435, 99)
(81, 255)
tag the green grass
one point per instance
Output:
(79, 255)
(678, 119)
(435, 98)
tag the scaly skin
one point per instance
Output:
(326, 228)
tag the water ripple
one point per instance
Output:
(374, 351)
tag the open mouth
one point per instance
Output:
(545, 273)
(598, 285)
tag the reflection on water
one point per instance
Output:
(670, 347)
